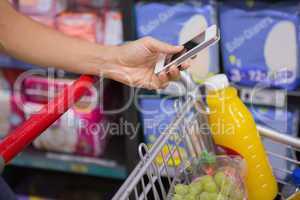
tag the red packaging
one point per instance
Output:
(81, 130)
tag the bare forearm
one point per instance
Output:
(34, 43)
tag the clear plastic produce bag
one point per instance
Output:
(211, 178)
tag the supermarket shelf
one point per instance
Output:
(73, 164)
(129, 23)
(269, 97)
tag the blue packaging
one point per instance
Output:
(9, 62)
(285, 122)
(5, 60)
(259, 42)
(176, 23)
(156, 114)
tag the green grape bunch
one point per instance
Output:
(216, 187)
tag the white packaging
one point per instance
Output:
(42, 7)
(113, 33)
(177, 23)
(260, 43)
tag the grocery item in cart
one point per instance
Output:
(291, 191)
(219, 178)
(234, 128)
(42, 7)
(177, 23)
(285, 122)
(270, 32)
(78, 131)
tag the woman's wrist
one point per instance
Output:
(99, 60)
(108, 61)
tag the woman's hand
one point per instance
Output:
(135, 62)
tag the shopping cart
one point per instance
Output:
(18, 139)
(154, 179)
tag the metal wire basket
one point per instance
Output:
(184, 139)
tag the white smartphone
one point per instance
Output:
(203, 40)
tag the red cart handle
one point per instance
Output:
(22, 136)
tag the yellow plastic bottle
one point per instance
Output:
(233, 127)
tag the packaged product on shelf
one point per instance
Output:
(90, 3)
(9, 62)
(82, 25)
(46, 20)
(4, 84)
(13, 3)
(113, 31)
(23, 197)
(42, 7)
(5, 113)
(42, 11)
(59, 186)
(79, 131)
(156, 114)
(8, 118)
(260, 42)
(5, 106)
(177, 23)
(285, 122)
(5, 60)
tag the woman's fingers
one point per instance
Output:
(163, 77)
(184, 66)
(163, 80)
(157, 82)
(156, 46)
(163, 86)
(174, 73)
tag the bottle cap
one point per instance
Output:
(296, 176)
(217, 82)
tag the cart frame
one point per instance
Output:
(153, 180)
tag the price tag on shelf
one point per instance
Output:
(80, 168)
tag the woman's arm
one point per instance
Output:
(34, 43)
(132, 63)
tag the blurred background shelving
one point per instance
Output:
(87, 173)
(111, 165)
(269, 97)
(101, 176)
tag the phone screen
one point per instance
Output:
(187, 47)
